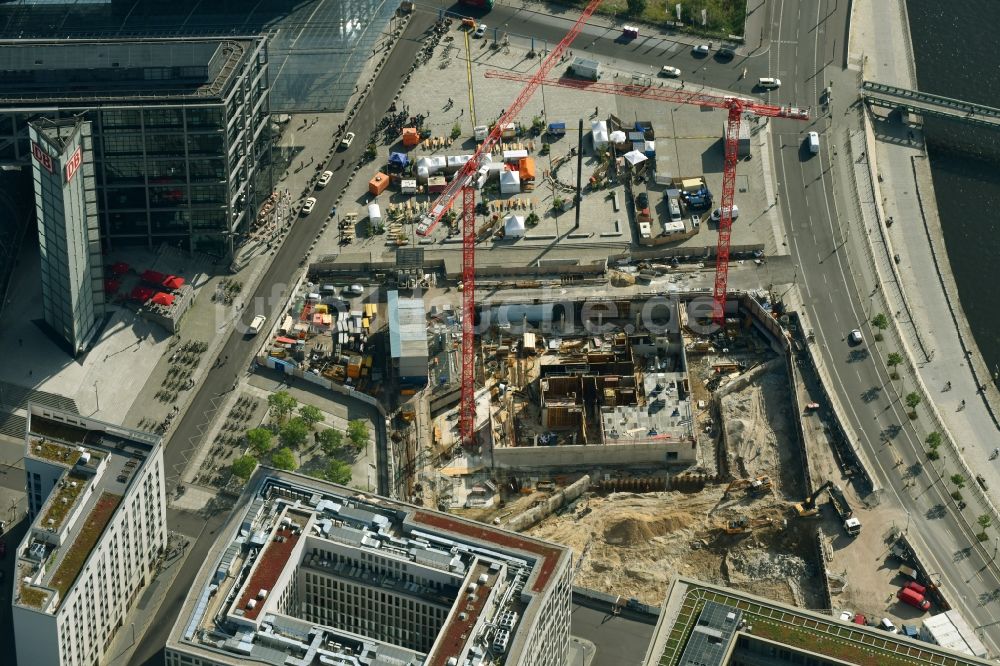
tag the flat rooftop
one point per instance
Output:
(775, 622)
(288, 525)
(116, 70)
(94, 463)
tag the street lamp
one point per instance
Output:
(97, 397)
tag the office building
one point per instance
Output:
(179, 132)
(310, 573)
(98, 511)
(68, 235)
(706, 625)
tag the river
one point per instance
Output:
(957, 59)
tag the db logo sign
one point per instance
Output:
(72, 164)
(43, 158)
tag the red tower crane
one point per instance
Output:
(737, 106)
(461, 183)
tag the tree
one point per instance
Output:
(282, 405)
(311, 415)
(337, 471)
(244, 466)
(892, 360)
(294, 433)
(456, 131)
(284, 459)
(958, 480)
(984, 521)
(880, 322)
(635, 7)
(912, 400)
(357, 432)
(330, 440)
(934, 440)
(260, 440)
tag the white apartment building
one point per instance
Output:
(308, 573)
(98, 508)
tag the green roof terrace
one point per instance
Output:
(802, 629)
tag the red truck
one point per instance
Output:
(916, 587)
(914, 598)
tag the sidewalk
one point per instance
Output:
(937, 342)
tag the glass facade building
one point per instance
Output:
(68, 234)
(180, 129)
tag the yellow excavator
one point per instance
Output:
(744, 525)
(754, 487)
(807, 507)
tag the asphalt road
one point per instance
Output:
(269, 297)
(837, 285)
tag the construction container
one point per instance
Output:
(354, 366)
(526, 168)
(436, 184)
(408, 186)
(378, 183)
(411, 136)
(374, 214)
(481, 132)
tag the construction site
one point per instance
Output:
(596, 470)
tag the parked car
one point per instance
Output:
(480, 31)
(860, 619)
(717, 213)
(701, 49)
(308, 206)
(886, 625)
(346, 142)
(642, 201)
(855, 337)
(324, 179)
(672, 72)
(847, 615)
(354, 290)
(725, 53)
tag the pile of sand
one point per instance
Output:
(633, 529)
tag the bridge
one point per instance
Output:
(912, 101)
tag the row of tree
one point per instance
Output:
(292, 433)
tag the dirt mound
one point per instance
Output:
(632, 529)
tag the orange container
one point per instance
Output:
(378, 183)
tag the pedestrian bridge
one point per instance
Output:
(912, 101)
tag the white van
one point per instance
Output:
(256, 325)
(813, 140)
(768, 82)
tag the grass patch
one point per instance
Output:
(58, 510)
(32, 596)
(59, 453)
(78, 552)
(725, 17)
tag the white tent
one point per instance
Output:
(513, 226)
(617, 136)
(510, 182)
(374, 213)
(599, 130)
(634, 157)
(432, 164)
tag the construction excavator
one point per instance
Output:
(807, 507)
(838, 500)
(744, 525)
(754, 487)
